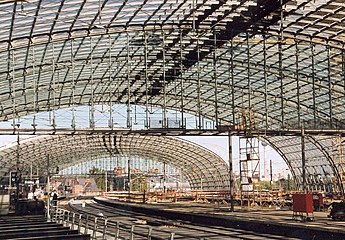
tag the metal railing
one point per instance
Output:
(99, 227)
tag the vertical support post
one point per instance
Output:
(298, 86)
(106, 180)
(48, 190)
(129, 125)
(105, 226)
(329, 86)
(271, 174)
(215, 77)
(94, 230)
(86, 224)
(280, 55)
(79, 222)
(111, 121)
(17, 166)
(304, 183)
(164, 84)
(149, 233)
(231, 183)
(73, 125)
(181, 82)
(200, 123)
(53, 123)
(73, 220)
(172, 236)
(164, 177)
(68, 218)
(35, 88)
(117, 230)
(265, 79)
(147, 124)
(92, 113)
(131, 234)
(249, 84)
(313, 80)
(13, 91)
(129, 176)
(231, 79)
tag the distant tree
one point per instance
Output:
(139, 182)
(98, 175)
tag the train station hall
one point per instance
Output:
(172, 119)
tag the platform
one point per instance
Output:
(263, 220)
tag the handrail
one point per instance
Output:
(105, 228)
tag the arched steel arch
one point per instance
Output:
(281, 153)
(194, 161)
(324, 165)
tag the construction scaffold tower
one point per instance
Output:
(249, 159)
(249, 170)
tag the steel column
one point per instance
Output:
(304, 183)
(298, 86)
(73, 124)
(164, 123)
(53, 123)
(92, 112)
(111, 120)
(329, 86)
(249, 85)
(280, 64)
(35, 88)
(146, 125)
(231, 79)
(200, 123)
(181, 82)
(313, 80)
(215, 78)
(265, 82)
(231, 183)
(129, 125)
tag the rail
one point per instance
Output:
(100, 227)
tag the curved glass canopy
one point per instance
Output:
(324, 160)
(202, 168)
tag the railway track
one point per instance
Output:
(160, 228)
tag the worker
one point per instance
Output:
(54, 198)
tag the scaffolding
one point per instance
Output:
(249, 170)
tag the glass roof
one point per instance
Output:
(280, 66)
